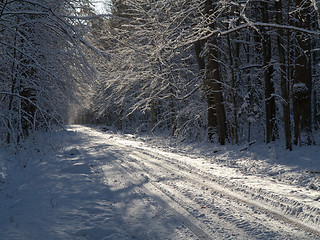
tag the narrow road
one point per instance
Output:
(160, 195)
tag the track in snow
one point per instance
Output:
(201, 204)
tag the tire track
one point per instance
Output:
(237, 193)
(179, 213)
(207, 181)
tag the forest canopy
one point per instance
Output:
(43, 60)
(223, 71)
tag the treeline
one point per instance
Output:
(42, 64)
(229, 71)
(226, 71)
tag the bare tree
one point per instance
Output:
(42, 47)
(239, 61)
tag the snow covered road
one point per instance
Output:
(106, 186)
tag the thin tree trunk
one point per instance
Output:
(173, 118)
(284, 77)
(13, 83)
(235, 125)
(315, 111)
(200, 60)
(121, 116)
(173, 114)
(153, 116)
(13, 86)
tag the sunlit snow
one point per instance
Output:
(89, 184)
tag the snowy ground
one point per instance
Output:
(91, 184)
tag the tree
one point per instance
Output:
(283, 74)
(302, 88)
(212, 83)
(219, 68)
(151, 75)
(270, 103)
(42, 46)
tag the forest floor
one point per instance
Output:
(91, 183)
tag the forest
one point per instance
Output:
(203, 70)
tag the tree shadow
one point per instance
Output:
(107, 203)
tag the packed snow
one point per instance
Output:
(89, 182)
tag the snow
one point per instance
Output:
(92, 183)
(102, 6)
(300, 88)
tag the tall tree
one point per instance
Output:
(283, 74)
(270, 103)
(302, 83)
(216, 108)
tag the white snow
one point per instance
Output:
(93, 184)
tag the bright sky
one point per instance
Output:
(101, 6)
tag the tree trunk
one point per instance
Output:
(233, 62)
(15, 60)
(13, 86)
(200, 60)
(315, 111)
(302, 87)
(216, 108)
(28, 110)
(270, 103)
(173, 114)
(284, 77)
(153, 116)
